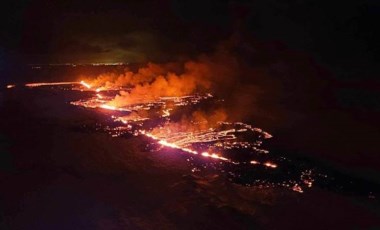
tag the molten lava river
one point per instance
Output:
(176, 125)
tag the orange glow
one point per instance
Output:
(271, 165)
(207, 133)
(10, 86)
(154, 81)
(194, 128)
(85, 84)
(49, 84)
(109, 107)
(165, 113)
(175, 146)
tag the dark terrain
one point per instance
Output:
(54, 175)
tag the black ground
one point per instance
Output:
(55, 176)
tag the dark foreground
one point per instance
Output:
(54, 175)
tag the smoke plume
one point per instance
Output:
(256, 80)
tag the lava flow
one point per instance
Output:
(50, 84)
(180, 123)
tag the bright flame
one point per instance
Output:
(165, 113)
(10, 86)
(85, 84)
(110, 107)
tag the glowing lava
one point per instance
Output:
(39, 84)
(175, 146)
(109, 107)
(85, 84)
(202, 135)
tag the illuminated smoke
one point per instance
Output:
(197, 121)
(148, 83)
(147, 86)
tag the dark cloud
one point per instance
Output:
(337, 35)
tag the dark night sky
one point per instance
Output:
(342, 36)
